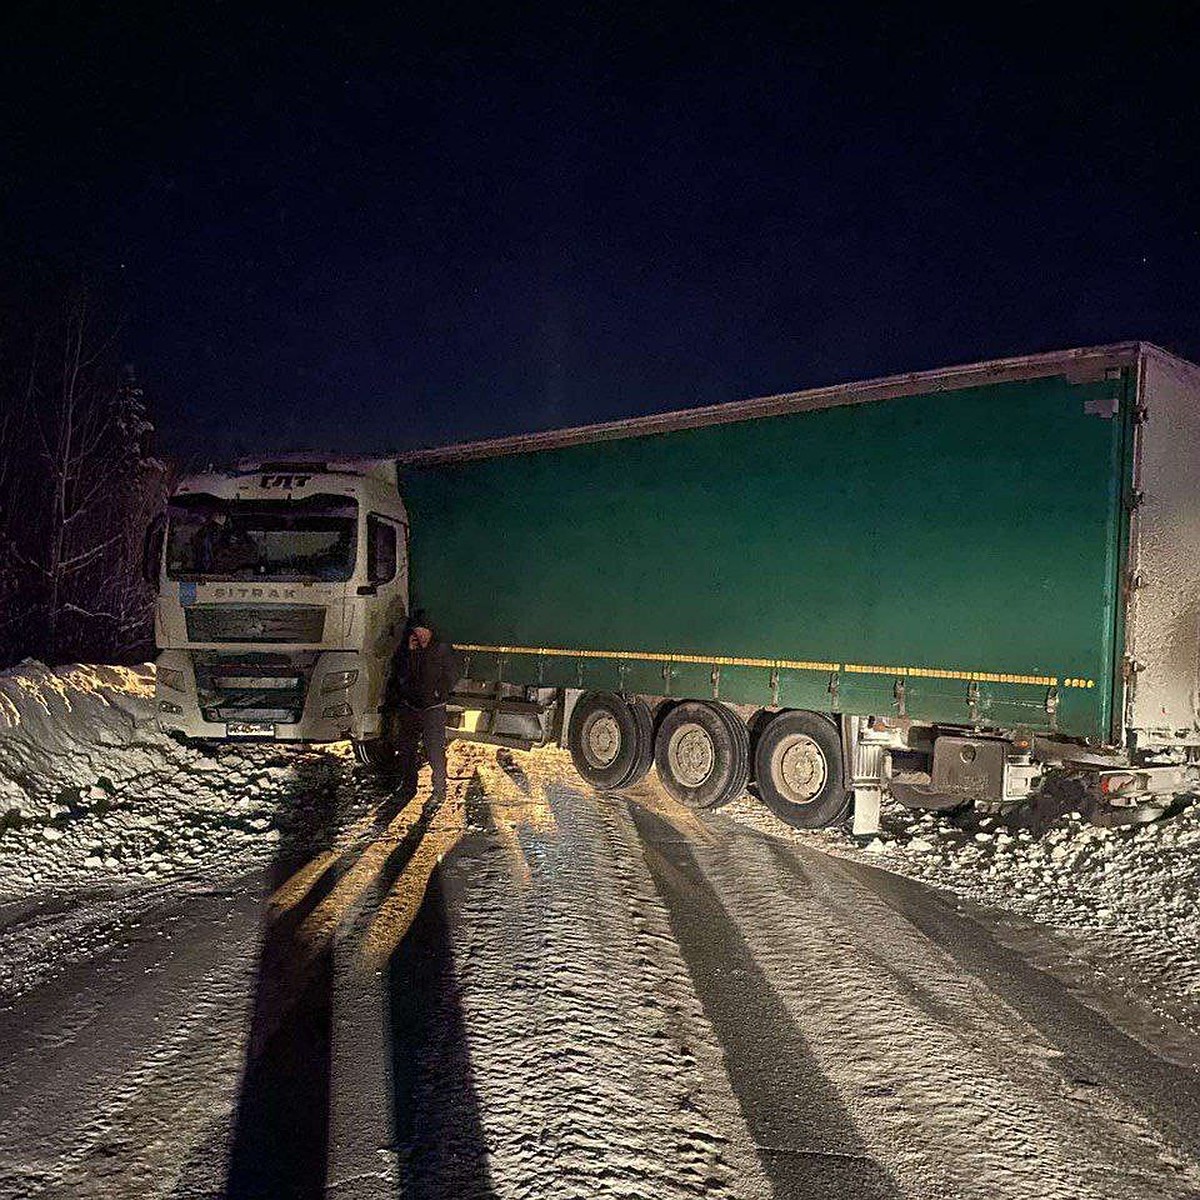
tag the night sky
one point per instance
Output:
(363, 231)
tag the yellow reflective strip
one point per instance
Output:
(784, 663)
(651, 656)
(943, 673)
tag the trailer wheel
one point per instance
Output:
(379, 753)
(645, 758)
(609, 739)
(798, 769)
(741, 734)
(702, 754)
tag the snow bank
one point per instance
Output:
(74, 728)
(91, 794)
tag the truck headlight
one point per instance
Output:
(171, 677)
(165, 706)
(336, 680)
(337, 710)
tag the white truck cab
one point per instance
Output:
(282, 595)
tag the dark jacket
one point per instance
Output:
(422, 678)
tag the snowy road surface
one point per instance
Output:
(538, 991)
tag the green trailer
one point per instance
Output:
(942, 584)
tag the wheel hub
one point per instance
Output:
(800, 769)
(691, 754)
(602, 740)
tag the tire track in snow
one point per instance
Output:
(702, 1061)
(943, 1079)
(443, 1150)
(115, 1075)
(404, 1113)
(808, 1144)
(176, 1099)
(581, 1044)
(1090, 1052)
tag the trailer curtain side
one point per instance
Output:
(952, 555)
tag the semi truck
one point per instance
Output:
(950, 587)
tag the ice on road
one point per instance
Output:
(534, 990)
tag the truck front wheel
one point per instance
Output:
(611, 740)
(379, 754)
(798, 769)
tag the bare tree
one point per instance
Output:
(78, 484)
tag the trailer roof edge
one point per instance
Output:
(1081, 363)
(1167, 357)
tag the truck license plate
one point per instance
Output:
(250, 729)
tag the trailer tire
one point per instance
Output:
(702, 753)
(645, 758)
(741, 778)
(608, 738)
(798, 769)
(379, 754)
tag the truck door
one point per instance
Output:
(387, 582)
(385, 609)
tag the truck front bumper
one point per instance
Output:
(329, 713)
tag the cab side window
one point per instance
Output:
(381, 549)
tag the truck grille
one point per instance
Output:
(263, 687)
(293, 623)
(277, 716)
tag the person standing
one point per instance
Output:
(424, 672)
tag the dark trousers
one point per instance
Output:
(414, 726)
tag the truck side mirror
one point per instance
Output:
(152, 550)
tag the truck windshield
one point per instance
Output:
(286, 540)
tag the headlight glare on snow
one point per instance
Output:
(171, 677)
(336, 680)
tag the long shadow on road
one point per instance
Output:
(435, 1107)
(805, 1138)
(279, 1146)
(280, 1136)
(437, 1128)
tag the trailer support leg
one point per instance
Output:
(867, 800)
(866, 758)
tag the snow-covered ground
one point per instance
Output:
(535, 989)
(64, 730)
(1125, 901)
(93, 797)
(101, 810)
(92, 793)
